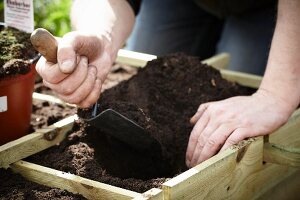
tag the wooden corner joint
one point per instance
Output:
(282, 155)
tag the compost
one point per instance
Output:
(15, 52)
(14, 186)
(161, 98)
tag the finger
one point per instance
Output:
(93, 96)
(74, 43)
(73, 81)
(105, 64)
(215, 141)
(84, 90)
(199, 113)
(237, 136)
(66, 55)
(195, 134)
(50, 72)
(202, 140)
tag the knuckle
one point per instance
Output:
(202, 138)
(71, 99)
(211, 142)
(66, 90)
(51, 78)
(246, 123)
(232, 141)
(202, 107)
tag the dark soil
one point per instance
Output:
(15, 52)
(161, 97)
(14, 186)
(45, 113)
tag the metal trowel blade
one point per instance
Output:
(117, 125)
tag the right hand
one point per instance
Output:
(84, 60)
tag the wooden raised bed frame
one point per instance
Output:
(244, 171)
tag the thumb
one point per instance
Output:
(66, 55)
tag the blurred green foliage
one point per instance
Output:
(54, 15)
(1, 11)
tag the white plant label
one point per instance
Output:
(3, 104)
(19, 14)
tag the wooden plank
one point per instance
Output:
(35, 142)
(217, 177)
(134, 58)
(249, 80)
(49, 98)
(220, 61)
(75, 184)
(282, 155)
(286, 189)
(288, 135)
(153, 194)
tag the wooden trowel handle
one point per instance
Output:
(45, 43)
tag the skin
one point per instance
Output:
(219, 125)
(85, 55)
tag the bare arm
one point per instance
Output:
(282, 77)
(112, 18)
(219, 125)
(85, 55)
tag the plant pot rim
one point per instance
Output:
(17, 77)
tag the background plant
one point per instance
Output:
(50, 14)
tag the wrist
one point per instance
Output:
(276, 101)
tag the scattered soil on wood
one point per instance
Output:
(45, 113)
(15, 52)
(14, 186)
(161, 97)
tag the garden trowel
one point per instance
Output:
(109, 121)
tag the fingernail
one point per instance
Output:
(67, 66)
(192, 120)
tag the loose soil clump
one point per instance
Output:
(14, 186)
(15, 52)
(161, 97)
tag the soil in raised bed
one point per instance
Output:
(14, 186)
(161, 97)
(15, 52)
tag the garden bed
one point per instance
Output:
(161, 97)
(238, 172)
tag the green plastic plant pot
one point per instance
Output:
(16, 105)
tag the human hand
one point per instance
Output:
(221, 124)
(83, 62)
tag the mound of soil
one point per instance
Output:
(161, 97)
(15, 51)
(14, 186)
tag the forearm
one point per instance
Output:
(282, 77)
(112, 18)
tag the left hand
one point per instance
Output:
(221, 124)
